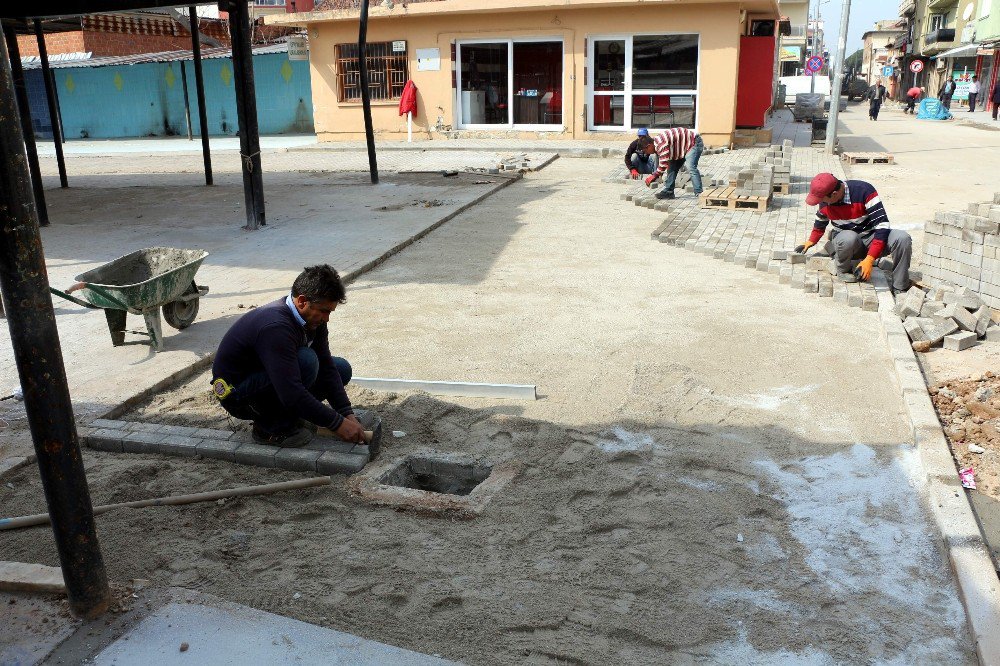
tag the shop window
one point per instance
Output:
(387, 71)
(665, 62)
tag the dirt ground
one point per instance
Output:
(969, 410)
(704, 479)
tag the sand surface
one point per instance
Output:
(715, 470)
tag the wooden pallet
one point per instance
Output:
(781, 188)
(726, 197)
(868, 158)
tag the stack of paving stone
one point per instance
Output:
(964, 249)
(954, 317)
(776, 163)
(780, 157)
(815, 274)
(755, 181)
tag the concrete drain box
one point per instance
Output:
(434, 484)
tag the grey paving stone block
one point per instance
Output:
(211, 448)
(212, 433)
(960, 341)
(774, 267)
(140, 426)
(177, 445)
(840, 292)
(810, 284)
(108, 423)
(930, 308)
(779, 255)
(983, 318)
(180, 431)
(993, 334)
(105, 439)
(335, 462)
(826, 286)
(914, 330)
(256, 454)
(965, 319)
(869, 302)
(796, 258)
(854, 299)
(913, 300)
(141, 442)
(296, 460)
(785, 275)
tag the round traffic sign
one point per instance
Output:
(917, 66)
(814, 64)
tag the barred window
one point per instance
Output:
(387, 72)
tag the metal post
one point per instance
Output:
(366, 100)
(246, 111)
(838, 79)
(812, 47)
(27, 132)
(33, 335)
(199, 84)
(53, 101)
(187, 101)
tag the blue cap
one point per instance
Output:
(643, 132)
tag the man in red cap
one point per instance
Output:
(860, 231)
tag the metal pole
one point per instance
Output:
(366, 99)
(35, 340)
(187, 101)
(812, 47)
(246, 111)
(27, 132)
(53, 101)
(838, 79)
(199, 84)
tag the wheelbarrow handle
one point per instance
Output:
(97, 290)
(73, 299)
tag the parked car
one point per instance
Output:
(854, 88)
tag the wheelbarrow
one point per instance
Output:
(143, 283)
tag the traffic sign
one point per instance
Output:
(887, 71)
(814, 64)
(917, 66)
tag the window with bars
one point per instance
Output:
(387, 71)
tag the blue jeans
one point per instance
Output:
(644, 163)
(691, 161)
(255, 398)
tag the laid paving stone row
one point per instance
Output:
(322, 455)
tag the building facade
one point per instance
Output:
(557, 68)
(793, 47)
(880, 56)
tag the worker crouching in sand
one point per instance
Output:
(274, 366)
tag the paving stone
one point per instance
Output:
(779, 255)
(914, 330)
(810, 284)
(965, 319)
(296, 460)
(930, 308)
(212, 433)
(105, 439)
(140, 426)
(785, 276)
(141, 442)
(774, 267)
(854, 299)
(840, 292)
(983, 318)
(912, 302)
(108, 423)
(796, 258)
(825, 286)
(993, 334)
(177, 445)
(960, 341)
(335, 462)
(256, 454)
(182, 431)
(211, 448)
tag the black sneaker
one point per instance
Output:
(294, 439)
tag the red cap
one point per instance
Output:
(821, 186)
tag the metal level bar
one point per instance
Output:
(25, 288)
(465, 389)
(27, 131)
(366, 95)
(199, 84)
(53, 101)
(246, 112)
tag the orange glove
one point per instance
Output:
(802, 249)
(634, 174)
(864, 269)
(650, 178)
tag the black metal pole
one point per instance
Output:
(53, 101)
(366, 97)
(27, 131)
(246, 112)
(33, 335)
(199, 84)
(187, 102)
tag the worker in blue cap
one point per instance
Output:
(637, 162)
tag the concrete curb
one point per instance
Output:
(978, 584)
(567, 151)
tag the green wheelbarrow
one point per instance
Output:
(143, 283)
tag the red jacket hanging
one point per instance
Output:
(408, 100)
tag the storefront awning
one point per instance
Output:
(961, 51)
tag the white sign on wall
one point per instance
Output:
(399, 46)
(298, 47)
(428, 60)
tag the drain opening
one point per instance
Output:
(437, 476)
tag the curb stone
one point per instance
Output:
(978, 584)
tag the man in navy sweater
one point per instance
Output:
(860, 232)
(274, 366)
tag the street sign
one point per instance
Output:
(917, 66)
(814, 64)
(887, 71)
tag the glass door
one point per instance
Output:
(537, 67)
(484, 91)
(607, 108)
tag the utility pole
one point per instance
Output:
(838, 79)
(812, 44)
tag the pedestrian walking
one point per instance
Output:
(876, 95)
(912, 95)
(946, 92)
(995, 98)
(973, 93)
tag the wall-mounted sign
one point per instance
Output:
(428, 60)
(917, 66)
(790, 54)
(399, 46)
(298, 47)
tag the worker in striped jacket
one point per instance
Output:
(675, 147)
(860, 233)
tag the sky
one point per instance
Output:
(864, 13)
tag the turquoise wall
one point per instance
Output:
(148, 99)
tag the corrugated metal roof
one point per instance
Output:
(84, 59)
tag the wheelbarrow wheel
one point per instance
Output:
(181, 314)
